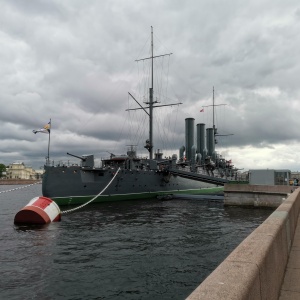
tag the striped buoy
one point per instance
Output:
(40, 210)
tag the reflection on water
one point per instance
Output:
(122, 250)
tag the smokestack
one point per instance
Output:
(200, 138)
(210, 141)
(189, 137)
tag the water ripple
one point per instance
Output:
(123, 250)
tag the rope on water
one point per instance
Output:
(73, 209)
(21, 187)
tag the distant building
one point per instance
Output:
(18, 170)
(295, 175)
(270, 177)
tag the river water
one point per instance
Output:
(150, 249)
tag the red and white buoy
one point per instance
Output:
(40, 210)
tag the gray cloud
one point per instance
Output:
(74, 62)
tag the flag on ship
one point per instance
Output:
(45, 129)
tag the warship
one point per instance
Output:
(197, 170)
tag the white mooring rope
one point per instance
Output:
(21, 187)
(73, 209)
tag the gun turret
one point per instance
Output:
(111, 154)
(87, 160)
(82, 158)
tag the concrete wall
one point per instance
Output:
(256, 195)
(255, 269)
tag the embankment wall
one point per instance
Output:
(256, 268)
(17, 181)
(256, 195)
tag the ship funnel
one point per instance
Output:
(189, 137)
(201, 139)
(210, 141)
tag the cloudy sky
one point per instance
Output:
(74, 61)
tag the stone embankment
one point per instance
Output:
(256, 268)
(256, 195)
(18, 181)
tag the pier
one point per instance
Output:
(266, 265)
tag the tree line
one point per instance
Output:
(2, 169)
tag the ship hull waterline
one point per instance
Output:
(73, 185)
(74, 200)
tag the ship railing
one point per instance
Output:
(66, 164)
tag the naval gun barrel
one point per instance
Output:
(82, 158)
(163, 161)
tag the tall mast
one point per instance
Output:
(151, 57)
(214, 127)
(151, 102)
(49, 131)
(149, 141)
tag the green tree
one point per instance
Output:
(2, 169)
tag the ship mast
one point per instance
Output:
(214, 125)
(151, 103)
(213, 111)
(149, 142)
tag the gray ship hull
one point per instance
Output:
(77, 185)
